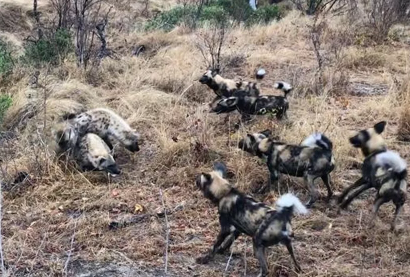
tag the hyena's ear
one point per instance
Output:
(379, 127)
(102, 160)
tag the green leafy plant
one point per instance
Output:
(5, 103)
(6, 60)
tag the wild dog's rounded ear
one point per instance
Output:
(220, 168)
(251, 138)
(231, 101)
(266, 132)
(379, 127)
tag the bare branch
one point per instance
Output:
(166, 232)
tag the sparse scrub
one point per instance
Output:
(6, 60)
(5, 103)
(404, 123)
(49, 50)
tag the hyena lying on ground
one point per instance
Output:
(254, 105)
(107, 125)
(311, 160)
(382, 169)
(227, 87)
(91, 153)
(241, 214)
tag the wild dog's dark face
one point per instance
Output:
(67, 137)
(212, 184)
(131, 141)
(224, 105)
(250, 144)
(369, 140)
(208, 76)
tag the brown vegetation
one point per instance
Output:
(62, 216)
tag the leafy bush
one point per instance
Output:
(5, 103)
(264, 15)
(217, 11)
(6, 61)
(49, 50)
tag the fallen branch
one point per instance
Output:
(229, 260)
(3, 270)
(167, 232)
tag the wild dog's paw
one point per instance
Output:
(203, 259)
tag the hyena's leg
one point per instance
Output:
(326, 181)
(356, 193)
(314, 194)
(228, 242)
(287, 242)
(223, 234)
(399, 207)
(260, 254)
(355, 185)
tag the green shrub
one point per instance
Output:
(5, 103)
(264, 15)
(217, 11)
(49, 50)
(6, 60)
(168, 20)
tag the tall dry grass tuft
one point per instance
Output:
(404, 121)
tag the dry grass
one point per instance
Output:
(159, 94)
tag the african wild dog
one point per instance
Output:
(254, 105)
(108, 125)
(382, 169)
(311, 160)
(226, 87)
(92, 153)
(241, 214)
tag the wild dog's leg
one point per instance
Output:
(228, 242)
(260, 254)
(314, 194)
(223, 234)
(376, 206)
(287, 242)
(356, 184)
(326, 181)
(272, 181)
(350, 198)
(399, 206)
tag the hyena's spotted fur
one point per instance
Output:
(382, 169)
(108, 125)
(91, 153)
(224, 87)
(241, 214)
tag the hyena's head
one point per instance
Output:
(132, 139)
(106, 163)
(224, 105)
(370, 140)
(213, 185)
(251, 143)
(209, 76)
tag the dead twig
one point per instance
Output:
(229, 260)
(3, 270)
(166, 233)
(71, 249)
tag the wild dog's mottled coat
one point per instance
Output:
(253, 105)
(311, 161)
(226, 87)
(241, 214)
(382, 169)
(108, 125)
(91, 153)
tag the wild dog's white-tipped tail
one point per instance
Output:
(260, 73)
(318, 140)
(391, 159)
(289, 200)
(285, 87)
